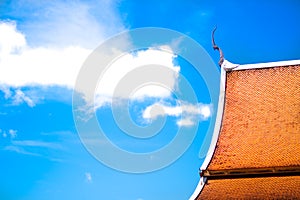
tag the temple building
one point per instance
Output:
(255, 147)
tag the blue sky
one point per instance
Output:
(43, 45)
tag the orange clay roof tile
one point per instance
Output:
(261, 122)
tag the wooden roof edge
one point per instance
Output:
(251, 172)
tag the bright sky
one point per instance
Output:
(43, 46)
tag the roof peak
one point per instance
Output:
(228, 66)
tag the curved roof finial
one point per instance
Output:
(215, 47)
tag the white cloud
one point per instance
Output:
(4, 135)
(185, 122)
(17, 96)
(34, 147)
(11, 41)
(186, 112)
(12, 133)
(59, 37)
(68, 23)
(60, 66)
(28, 144)
(36, 143)
(6, 90)
(88, 177)
(20, 150)
(20, 97)
(40, 65)
(23, 65)
(205, 111)
(129, 64)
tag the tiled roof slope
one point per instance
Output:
(257, 151)
(253, 188)
(261, 122)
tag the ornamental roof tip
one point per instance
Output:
(223, 63)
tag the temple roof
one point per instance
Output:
(255, 150)
(253, 188)
(260, 125)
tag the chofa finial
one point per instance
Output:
(223, 63)
(215, 47)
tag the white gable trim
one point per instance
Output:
(267, 65)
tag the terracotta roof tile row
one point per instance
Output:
(253, 188)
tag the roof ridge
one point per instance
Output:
(262, 65)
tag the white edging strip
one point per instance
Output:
(268, 65)
(218, 122)
(215, 136)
